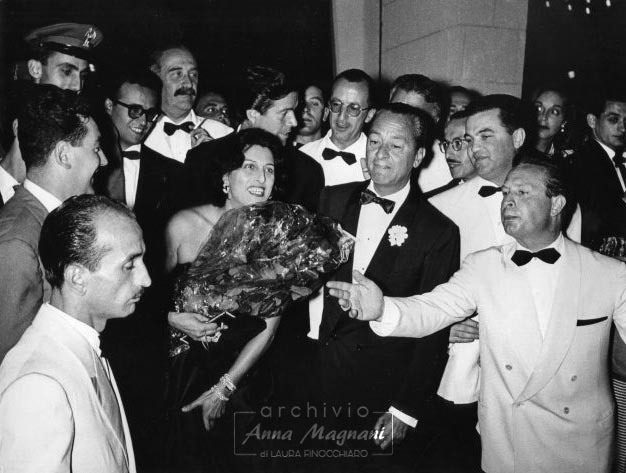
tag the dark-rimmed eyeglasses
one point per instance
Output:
(456, 144)
(136, 111)
(353, 109)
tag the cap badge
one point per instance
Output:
(90, 36)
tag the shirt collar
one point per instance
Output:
(355, 147)
(133, 148)
(397, 197)
(7, 183)
(608, 150)
(49, 201)
(89, 333)
(558, 244)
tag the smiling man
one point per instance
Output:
(179, 128)
(60, 409)
(60, 144)
(406, 246)
(547, 306)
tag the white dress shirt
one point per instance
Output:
(177, 145)
(611, 153)
(336, 170)
(437, 173)
(131, 176)
(37, 389)
(7, 183)
(49, 201)
(372, 227)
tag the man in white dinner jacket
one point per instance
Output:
(546, 306)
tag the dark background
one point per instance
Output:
(558, 41)
(294, 36)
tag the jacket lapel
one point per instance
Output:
(384, 258)
(562, 324)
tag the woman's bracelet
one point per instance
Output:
(215, 389)
(227, 382)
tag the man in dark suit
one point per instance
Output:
(269, 102)
(600, 169)
(405, 245)
(59, 143)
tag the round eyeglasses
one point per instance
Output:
(136, 111)
(353, 109)
(456, 144)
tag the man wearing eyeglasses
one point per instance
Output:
(341, 152)
(454, 148)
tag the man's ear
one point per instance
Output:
(557, 205)
(370, 114)
(252, 115)
(591, 120)
(326, 113)
(108, 106)
(419, 157)
(75, 278)
(62, 154)
(519, 136)
(14, 127)
(35, 69)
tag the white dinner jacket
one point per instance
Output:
(545, 404)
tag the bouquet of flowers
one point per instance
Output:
(259, 259)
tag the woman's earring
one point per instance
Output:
(226, 188)
(563, 128)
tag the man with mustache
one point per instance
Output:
(600, 169)
(179, 128)
(60, 145)
(60, 409)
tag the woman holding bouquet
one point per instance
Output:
(211, 363)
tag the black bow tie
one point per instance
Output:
(547, 255)
(486, 191)
(328, 153)
(132, 155)
(170, 128)
(367, 197)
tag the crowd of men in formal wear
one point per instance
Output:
(475, 327)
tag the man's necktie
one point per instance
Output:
(329, 154)
(132, 155)
(620, 164)
(486, 191)
(547, 255)
(170, 128)
(367, 197)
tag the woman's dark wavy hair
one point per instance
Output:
(229, 156)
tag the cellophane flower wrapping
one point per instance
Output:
(259, 259)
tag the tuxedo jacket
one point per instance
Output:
(356, 364)
(23, 287)
(599, 192)
(86, 433)
(545, 402)
(302, 180)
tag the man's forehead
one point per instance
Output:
(527, 175)
(135, 93)
(486, 119)
(615, 107)
(313, 92)
(455, 127)
(118, 232)
(177, 58)
(351, 91)
(392, 123)
(58, 59)
(288, 102)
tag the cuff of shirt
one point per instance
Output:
(407, 419)
(389, 320)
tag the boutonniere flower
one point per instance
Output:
(397, 235)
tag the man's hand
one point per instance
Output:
(194, 325)
(363, 299)
(390, 429)
(199, 135)
(464, 332)
(212, 408)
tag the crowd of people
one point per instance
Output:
(476, 326)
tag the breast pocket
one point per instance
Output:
(593, 321)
